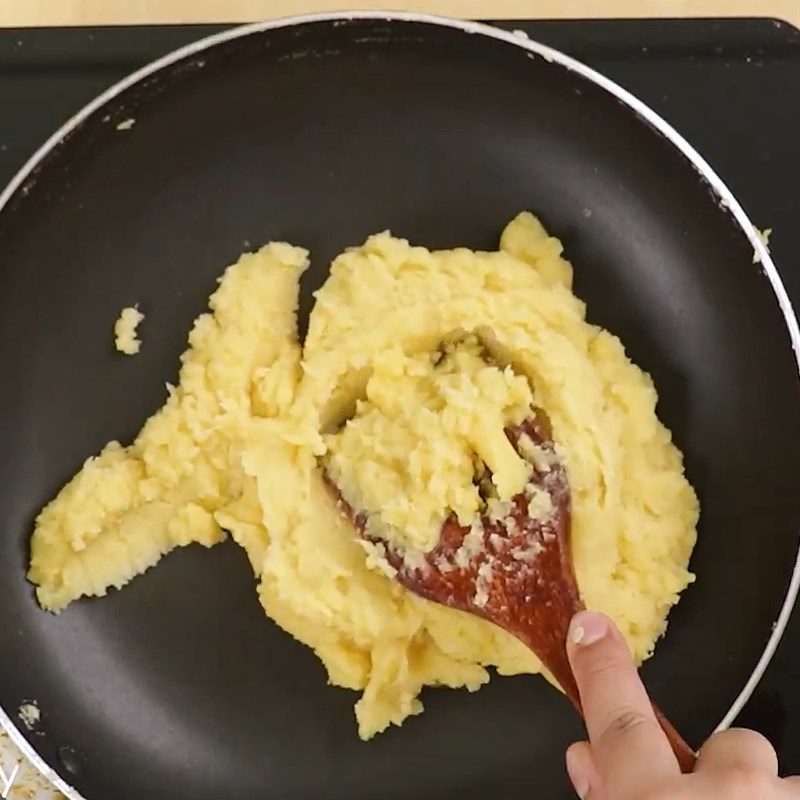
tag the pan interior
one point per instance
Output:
(321, 134)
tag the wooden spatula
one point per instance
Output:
(513, 567)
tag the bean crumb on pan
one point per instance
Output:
(125, 336)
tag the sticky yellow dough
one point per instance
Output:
(408, 455)
(129, 506)
(237, 446)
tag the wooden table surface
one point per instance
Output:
(120, 12)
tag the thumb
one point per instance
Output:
(630, 750)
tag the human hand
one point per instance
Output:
(628, 756)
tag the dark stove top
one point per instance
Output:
(731, 87)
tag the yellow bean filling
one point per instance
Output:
(408, 456)
(238, 445)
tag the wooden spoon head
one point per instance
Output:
(513, 565)
(514, 568)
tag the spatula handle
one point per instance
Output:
(687, 758)
(684, 754)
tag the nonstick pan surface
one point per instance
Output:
(322, 131)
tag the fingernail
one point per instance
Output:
(580, 783)
(587, 627)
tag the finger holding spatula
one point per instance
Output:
(629, 757)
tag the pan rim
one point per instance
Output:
(718, 189)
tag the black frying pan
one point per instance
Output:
(320, 132)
